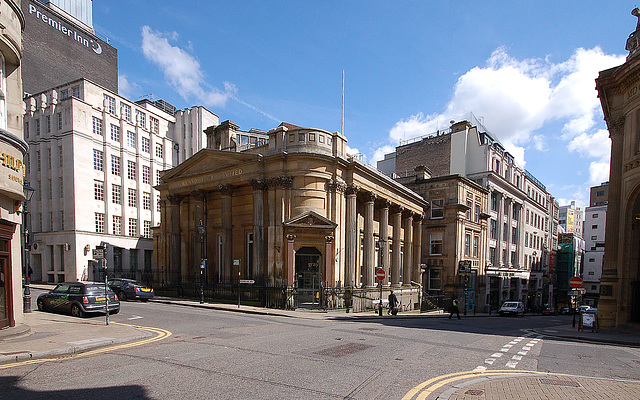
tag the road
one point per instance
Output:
(225, 355)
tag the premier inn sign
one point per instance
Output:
(63, 29)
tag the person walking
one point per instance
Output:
(393, 304)
(454, 308)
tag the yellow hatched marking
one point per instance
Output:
(160, 334)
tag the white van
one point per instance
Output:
(512, 308)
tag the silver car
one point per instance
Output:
(512, 308)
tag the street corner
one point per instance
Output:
(520, 384)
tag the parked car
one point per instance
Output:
(78, 299)
(128, 289)
(565, 311)
(549, 311)
(512, 308)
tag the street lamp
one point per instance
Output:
(26, 244)
(201, 230)
(381, 243)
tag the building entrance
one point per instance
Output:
(6, 302)
(308, 276)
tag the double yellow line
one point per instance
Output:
(424, 389)
(158, 334)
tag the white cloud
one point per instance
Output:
(181, 70)
(594, 146)
(517, 99)
(128, 89)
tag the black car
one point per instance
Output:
(78, 299)
(128, 289)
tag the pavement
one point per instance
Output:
(47, 336)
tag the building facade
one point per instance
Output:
(12, 170)
(619, 93)
(292, 211)
(94, 159)
(454, 238)
(572, 219)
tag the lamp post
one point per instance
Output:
(381, 243)
(26, 244)
(201, 230)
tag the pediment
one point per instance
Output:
(310, 219)
(208, 161)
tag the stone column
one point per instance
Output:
(384, 235)
(291, 260)
(369, 243)
(609, 303)
(257, 269)
(416, 272)
(329, 265)
(335, 206)
(200, 197)
(397, 240)
(226, 192)
(174, 242)
(351, 239)
(406, 267)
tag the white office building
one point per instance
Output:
(94, 159)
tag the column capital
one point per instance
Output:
(615, 126)
(329, 239)
(407, 213)
(199, 195)
(383, 203)
(369, 197)
(352, 190)
(174, 199)
(335, 186)
(226, 190)
(291, 237)
(417, 217)
(283, 181)
(258, 184)
(397, 209)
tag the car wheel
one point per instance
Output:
(144, 300)
(76, 311)
(117, 310)
(122, 296)
(41, 306)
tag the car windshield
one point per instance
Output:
(94, 289)
(510, 305)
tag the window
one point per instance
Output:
(505, 232)
(435, 279)
(109, 104)
(145, 145)
(476, 215)
(131, 170)
(435, 244)
(494, 201)
(38, 161)
(515, 212)
(141, 118)
(48, 123)
(437, 208)
(592, 260)
(98, 190)
(115, 165)
(146, 201)
(131, 139)
(594, 237)
(494, 229)
(61, 187)
(513, 259)
(594, 226)
(514, 235)
(132, 198)
(146, 174)
(493, 256)
(125, 109)
(99, 222)
(97, 126)
(157, 177)
(147, 229)
(133, 227)
(98, 160)
(159, 150)
(115, 133)
(64, 94)
(467, 244)
(595, 216)
(116, 194)
(476, 242)
(158, 204)
(470, 207)
(49, 159)
(154, 125)
(37, 126)
(61, 220)
(117, 225)
(26, 129)
(60, 157)
(506, 207)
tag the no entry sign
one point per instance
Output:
(380, 274)
(575, 282)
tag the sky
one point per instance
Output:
(526, 70)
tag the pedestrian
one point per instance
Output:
(454, 308)
(393, 304)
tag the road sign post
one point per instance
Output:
(576, 283)
(380, 275)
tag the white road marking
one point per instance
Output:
(512, 364)
(135, 317)
(480, 368)
(527, 348)
(523, 353)
(496, 355)
(489, 361)
(516, 358)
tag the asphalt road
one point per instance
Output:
(225, 355)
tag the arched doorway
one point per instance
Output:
(308, 276)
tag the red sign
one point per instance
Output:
(575, 282)
(380, 274)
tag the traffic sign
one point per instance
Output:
(97, 254)
(380, 274)
(247, 281)
(575, 282)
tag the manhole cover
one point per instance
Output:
(557, 382)
(474, 392)
(343, 349)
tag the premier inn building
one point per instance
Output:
(290, 210)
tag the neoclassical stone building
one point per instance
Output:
(294, 211)
(619, 92)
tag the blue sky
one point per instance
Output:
(526, 69)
